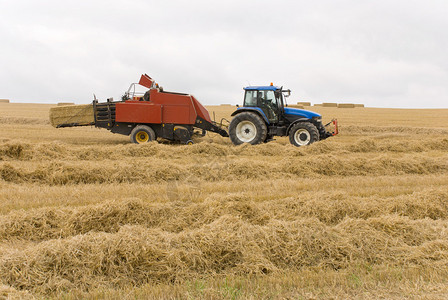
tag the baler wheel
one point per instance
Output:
(142, 134)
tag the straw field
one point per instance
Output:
(85, 214)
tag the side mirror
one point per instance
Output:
(288, 93)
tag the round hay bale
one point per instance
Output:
(65, 103)
(4, 100)
(329, 104)
(304, 103)
(359, 105)
(346, 105)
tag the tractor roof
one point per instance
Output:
(262, 88)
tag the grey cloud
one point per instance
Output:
(382, 53)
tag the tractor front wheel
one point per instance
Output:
(142, 134)
(247, 127)
(303, 133)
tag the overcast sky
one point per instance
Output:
(383, 53)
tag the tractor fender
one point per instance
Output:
(295, 122)
(257, 110)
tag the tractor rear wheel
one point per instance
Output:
(247, 127)
(142, 134)
(303, 133)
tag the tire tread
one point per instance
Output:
(305, 125)
(262, 130)
(149, 130)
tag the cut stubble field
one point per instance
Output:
(86, 214)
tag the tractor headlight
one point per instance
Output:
(317, 119)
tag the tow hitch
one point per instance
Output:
(333, 122)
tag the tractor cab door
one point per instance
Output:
(266, 100)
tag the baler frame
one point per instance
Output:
(168, 115)
(105, 117)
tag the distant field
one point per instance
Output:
(86, 214)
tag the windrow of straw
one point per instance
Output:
(53, 222)
(154, 170)
(229, 245)
(4, 100)
(65, 103)
(379, 130)
(203, 153)
(7, 292)
(72, 114)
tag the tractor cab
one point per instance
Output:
(268, 99)
(264, 115)
(270, 102)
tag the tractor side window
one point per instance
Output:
(250, 99)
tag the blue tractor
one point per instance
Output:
(264, 114)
